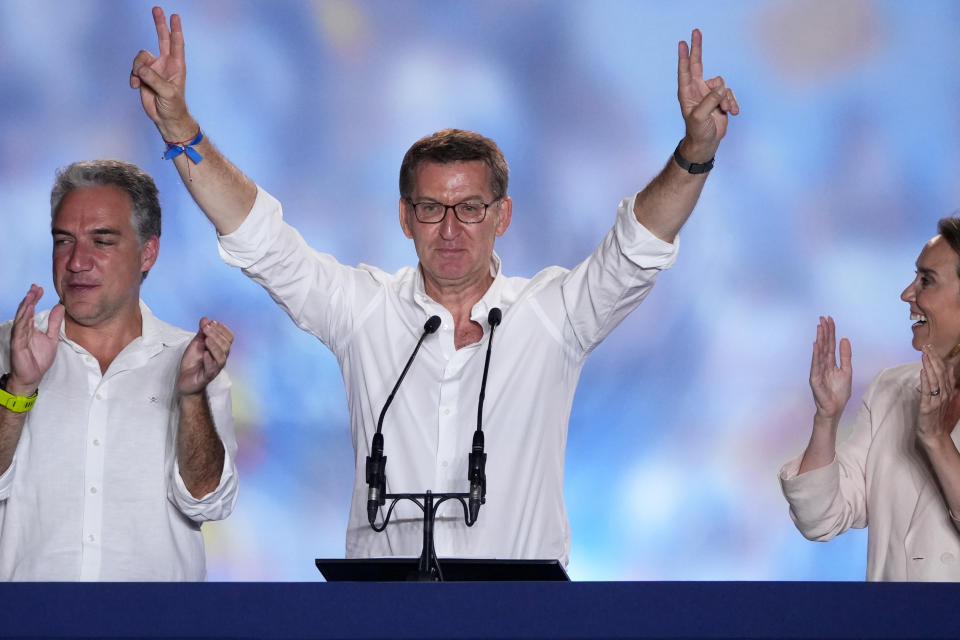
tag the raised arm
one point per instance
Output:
(831, 391)
(220, 189)
(665, 204)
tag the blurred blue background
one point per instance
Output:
(826, 187)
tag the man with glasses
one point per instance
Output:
(453, 205)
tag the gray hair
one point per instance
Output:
(131, 179)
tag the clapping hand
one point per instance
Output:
(939, 401)
(830, 383)
(32, 351)
(204, 357)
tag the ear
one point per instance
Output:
(504, 214)
(148, 253)
(405, 222)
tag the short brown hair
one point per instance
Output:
(453, 145)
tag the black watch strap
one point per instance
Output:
(691, 167)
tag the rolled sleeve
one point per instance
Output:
(810, 496)
(636, 242)
(216, 505)
(247, 244)
(6, 479)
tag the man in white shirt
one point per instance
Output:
(116, 430)
(453, 204)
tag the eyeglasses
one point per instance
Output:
(466, 212)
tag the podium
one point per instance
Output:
(452, 569)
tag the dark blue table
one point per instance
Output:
(482, 610)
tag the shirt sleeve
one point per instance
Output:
(219, 503)
(603, 289)
(6, 479)
(827, 501)
(313, 288)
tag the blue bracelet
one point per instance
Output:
(176, 148)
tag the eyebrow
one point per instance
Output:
(100, 231)
(473, 198)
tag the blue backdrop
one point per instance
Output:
(828, 184)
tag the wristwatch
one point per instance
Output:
(691, 167)
(17, 404)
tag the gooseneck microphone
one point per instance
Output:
(477, 463)
(376, 461)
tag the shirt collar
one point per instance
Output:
(152, 331)
(491, 298)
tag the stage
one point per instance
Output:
(482, 610)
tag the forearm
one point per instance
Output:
(945, 460)
(218, 187)
(11, 426)
(822, 448)
(665, 204)
(199, 449)
(11, 423)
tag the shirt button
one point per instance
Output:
(93, 489)
(91, 537)
(96, 442)
(947, 558)
(99, 396)
(446, 412)
(444, 463)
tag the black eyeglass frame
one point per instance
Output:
(446, 207)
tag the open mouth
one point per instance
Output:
(919, 320)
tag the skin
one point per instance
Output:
(455, 258)
(457, 282)
(98, 267)
(935, 293)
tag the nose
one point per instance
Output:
(910, 293)
(80, 258)
(450, 226)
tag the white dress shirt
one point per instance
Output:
(371, 320)
(881, 480)
(94, 491)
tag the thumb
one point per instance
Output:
(846, 355)
(154, 81)
(54, 321)
(710, 102)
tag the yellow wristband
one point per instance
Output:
(17, 404)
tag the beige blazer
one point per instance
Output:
(881, 480)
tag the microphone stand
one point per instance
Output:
(428, 566)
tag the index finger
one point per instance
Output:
(176, 36)
(163, 32)
(683, 63)
(219, 330)
(28, 304)
(696, 54)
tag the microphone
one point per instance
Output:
(376, 461)
(477, 462)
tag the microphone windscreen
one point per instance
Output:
(494, 317)
(432, 324)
